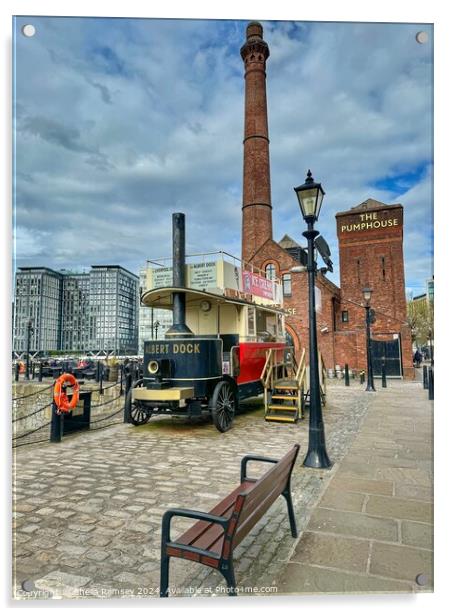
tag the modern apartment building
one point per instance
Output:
(37, 300)
(95, 312)
(113, 313)
(75, 311)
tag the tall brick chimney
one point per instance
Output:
(256, 208)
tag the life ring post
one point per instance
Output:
(56, 425)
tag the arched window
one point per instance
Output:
(270, 271)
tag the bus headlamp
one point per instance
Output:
(153, 367)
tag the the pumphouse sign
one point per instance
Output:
(372, 219)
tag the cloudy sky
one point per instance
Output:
(120, 122)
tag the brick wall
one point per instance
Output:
(297, 320)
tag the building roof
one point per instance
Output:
(114, 267)
(37, 268)
(287, 242)
(369, 205)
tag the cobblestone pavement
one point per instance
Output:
(88, 510)
(373, 528)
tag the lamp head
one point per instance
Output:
(367, 294)
(310, 196)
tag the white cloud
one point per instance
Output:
(121, 122)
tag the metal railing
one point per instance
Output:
(18, 440)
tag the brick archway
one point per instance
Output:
(294, 336)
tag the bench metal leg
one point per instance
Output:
(293, 525)
(164, 575)
(229, 576)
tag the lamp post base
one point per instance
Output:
(317, 458)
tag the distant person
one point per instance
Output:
(417, 358)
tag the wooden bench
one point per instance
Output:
(212, 539)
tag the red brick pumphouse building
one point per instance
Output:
(370, 237)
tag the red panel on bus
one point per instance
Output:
(252, 359)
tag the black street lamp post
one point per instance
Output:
(27, 365)
(310, 197)
(367, 293)
(430, 341)
(156, 327)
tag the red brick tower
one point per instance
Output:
(256, 209)
(371, 254)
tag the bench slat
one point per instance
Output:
(263, 494)
(247, 522)
(260, 490)
(213, 532)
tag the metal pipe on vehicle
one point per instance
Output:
(179, 328)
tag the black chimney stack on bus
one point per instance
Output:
(179, 327)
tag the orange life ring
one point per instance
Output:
(60, 396)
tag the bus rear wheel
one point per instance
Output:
(223, 406)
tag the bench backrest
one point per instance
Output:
(252, 504)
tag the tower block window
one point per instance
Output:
(270, 271)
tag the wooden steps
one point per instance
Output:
(286, 385)
(283, 379)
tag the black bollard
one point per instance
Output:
(33, 370)
(97, 371)
(101, 377)
(127, 399)
(430, 384)
(347, 376)
(40, 372)
(128, 382)
(425, 376)
(362, 376)
(16, 371)
(121, 388)
(383, 375)
(56, 426)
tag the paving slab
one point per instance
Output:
(344, 501)
(400, 508)
(353, 524)
(319, 580)
(332, 551)
(417, 534)
(401, 562)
